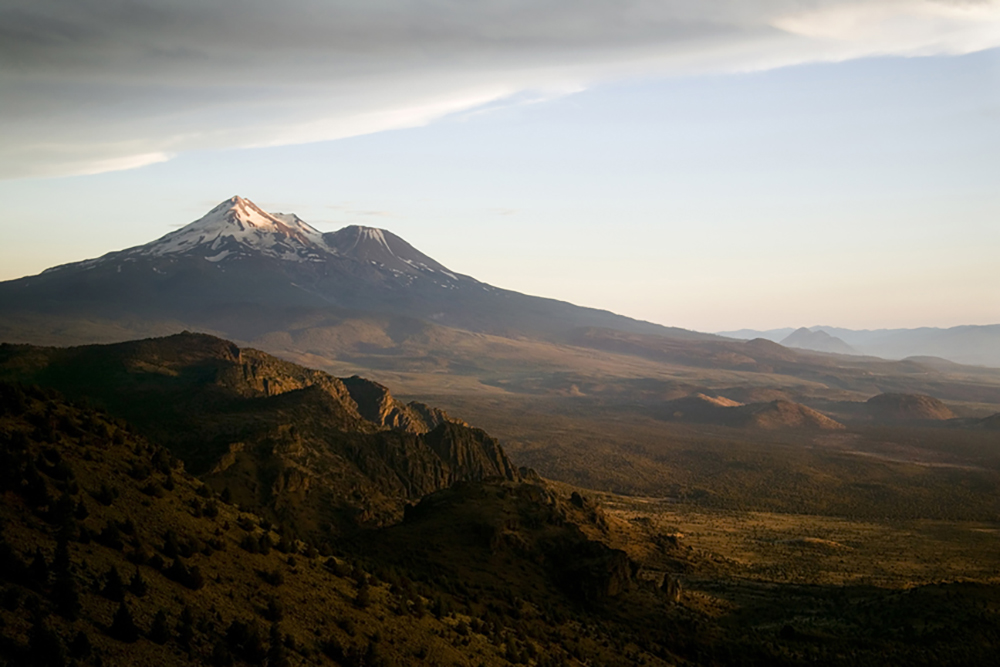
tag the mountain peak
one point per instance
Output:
(382, 247)
(818, 340)
(237, 227)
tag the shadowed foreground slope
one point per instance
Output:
(306, 447)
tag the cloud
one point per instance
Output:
(97, 85)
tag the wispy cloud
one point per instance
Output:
(99, 85)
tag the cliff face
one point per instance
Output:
(316, 451)
(471, 453)
(495, 523)
(377, 405)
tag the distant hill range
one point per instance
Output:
(778, 414)
(362, 300)
(977, 345)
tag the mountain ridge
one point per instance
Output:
(239, 254)
(294, 442)
(974, 344)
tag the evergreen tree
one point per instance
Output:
(276, 655)
(80, 648)
(65, 595)
(81, 512)
(275, 610)
(159, 633)
(45, 647)
(63, 511)
(137, 586)
(221, 657)
(61, 561)
(123, 627)
(39, 569)
(364, 597)
(185, 628)
(114, 587)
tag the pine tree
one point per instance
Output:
(81, 512)
(80, 648)
(275, 610)
(114, 587)
(61, 561)
(364, 597)
(45, 647)
(185, 628)
(276, 655)
(159, 633)
(62, 512)
(221, 657)
(137, 586)
(123, 627)
(39, 569)
(65, 595)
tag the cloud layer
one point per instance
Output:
(100, 85)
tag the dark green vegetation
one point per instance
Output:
(292, 546)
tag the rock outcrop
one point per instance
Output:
(307, 447)
(376, 404)
(529, 522)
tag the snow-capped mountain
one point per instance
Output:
(238, 226)
(381, 247)
(237, 229)
(241, 271)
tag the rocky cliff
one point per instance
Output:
(314, 450)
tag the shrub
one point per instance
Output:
(189, 577)
(106, 495)
(364, 597)
(248, 543)
(111, 537)
(273, 577)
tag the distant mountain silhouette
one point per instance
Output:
(242, 272)
(970, 344)
(818, 340)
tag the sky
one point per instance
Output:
(713, 165)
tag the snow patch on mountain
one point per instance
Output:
(238, 225)
(237, 229)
